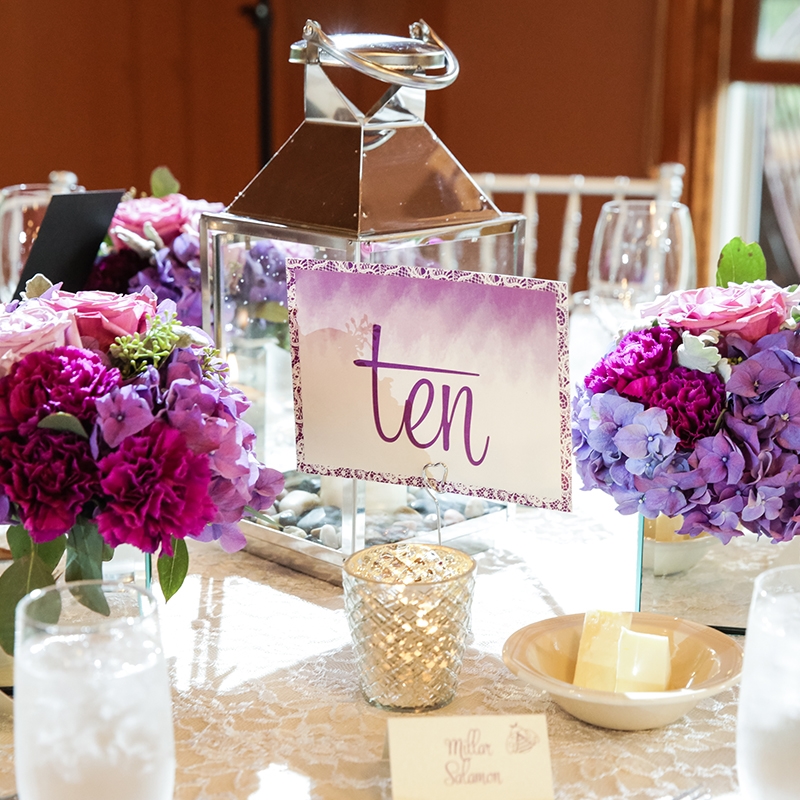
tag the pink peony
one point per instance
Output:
(32, 326)
(155, 488)
(103, 316)
(50, 475)
(752, 310)
(170, 216)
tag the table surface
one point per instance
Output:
(266, 700)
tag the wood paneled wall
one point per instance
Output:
(113, 89)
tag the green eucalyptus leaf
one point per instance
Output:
(23, 576)
(51, 552)
(272, 311)
(61, 421)
(741, 263)
(19, 541)
(173, 570)
(37, 286)
(21, 544)
(108, 552)
(85, 549)
(92, 597)
(163, 182)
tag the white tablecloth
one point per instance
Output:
(266, 702)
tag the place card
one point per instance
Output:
(398, 368)
(470, 757)
(69, 237)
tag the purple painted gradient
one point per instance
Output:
(510, 331)
(484, 316)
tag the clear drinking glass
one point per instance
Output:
(92, 706)
(768, 729)
(641, 249)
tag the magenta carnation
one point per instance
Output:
(65, 379)
(50, 475)
(693, 402)
(639, 354)
(155, 488)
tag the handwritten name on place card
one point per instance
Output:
(471, 757)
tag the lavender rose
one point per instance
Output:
(33, 326)
(169, 216)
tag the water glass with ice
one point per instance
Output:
(93, 712)
(768, 728)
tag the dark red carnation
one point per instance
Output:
(155, 488)
(113, 272)
(638, 354)
(65, 379)
(693, 401)
(50, 475)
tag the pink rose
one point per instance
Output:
(751, 310)
(34, 325)
(102, 316)
(169, 215)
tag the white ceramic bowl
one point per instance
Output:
(704, 662)
(669, 558)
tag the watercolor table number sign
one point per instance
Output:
(398, 368)
(470, 757)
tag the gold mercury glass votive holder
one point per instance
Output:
(408, 608)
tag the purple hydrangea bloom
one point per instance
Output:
(264, 274)
(175, 276)
(784, 408)
(647, 442)
(757, 375)
(122, 413)
(718, 459)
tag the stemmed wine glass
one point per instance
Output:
(641, 249)
(22, 210)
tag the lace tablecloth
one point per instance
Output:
(266, 702)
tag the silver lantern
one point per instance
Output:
(374, 186)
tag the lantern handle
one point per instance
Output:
(313, 34)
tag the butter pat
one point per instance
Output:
(598, 652)
(644, 662)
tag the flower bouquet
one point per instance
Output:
(155, 242)
(697, 413)
(117, 425)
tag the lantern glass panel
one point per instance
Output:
(372, 186)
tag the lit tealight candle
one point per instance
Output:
(408, 608)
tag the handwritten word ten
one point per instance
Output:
(411, 420)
